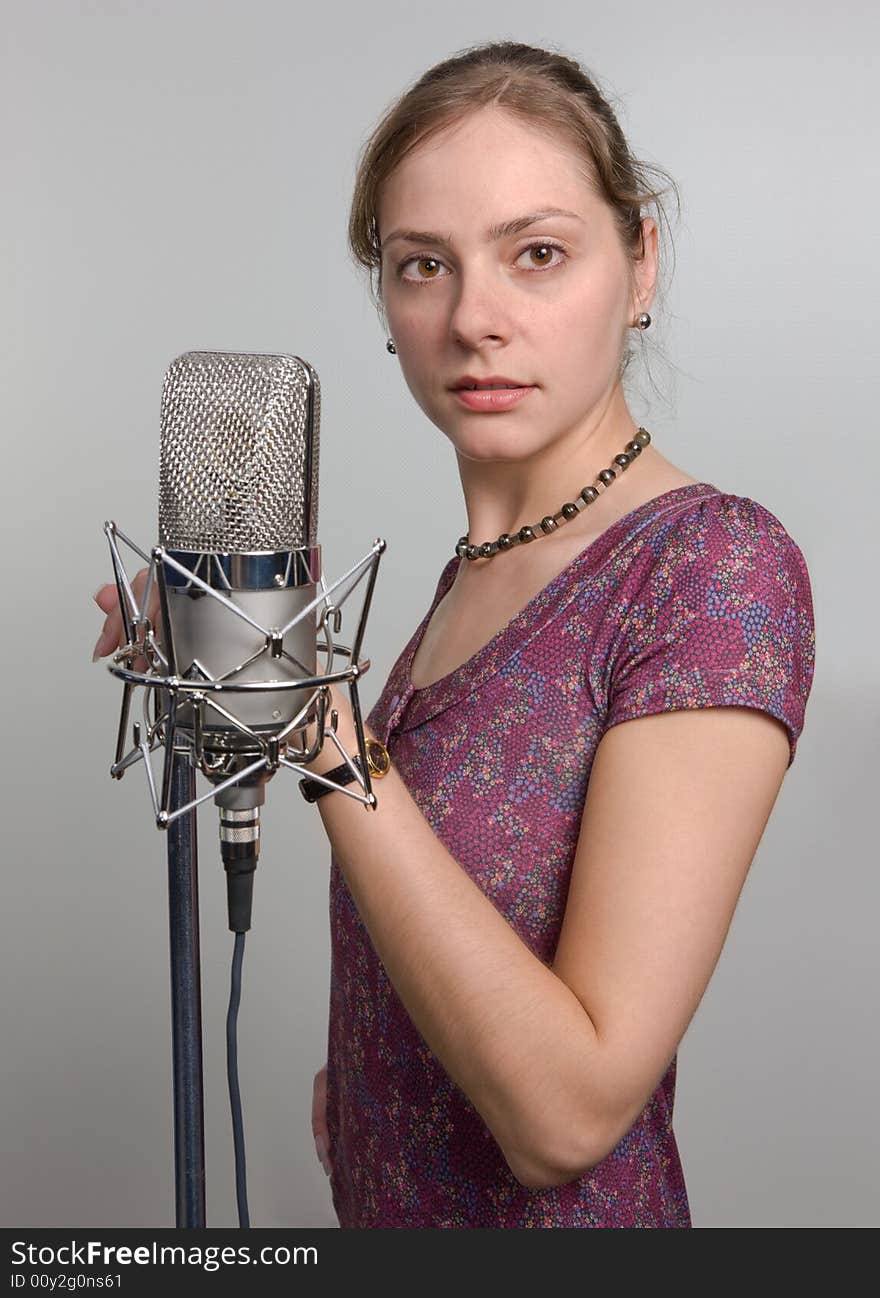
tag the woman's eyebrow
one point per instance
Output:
(514, 226)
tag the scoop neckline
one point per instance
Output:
(604, 542)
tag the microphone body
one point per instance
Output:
(238, 496)
(238, 507)
(211, 644)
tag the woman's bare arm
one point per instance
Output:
(560, 1061)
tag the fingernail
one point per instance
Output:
(97, 593)
(96, 653)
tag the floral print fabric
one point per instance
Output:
(695, 599)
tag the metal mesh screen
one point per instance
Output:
(238, 463)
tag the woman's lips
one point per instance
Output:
(488, 399)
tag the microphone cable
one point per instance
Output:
(232, 1075)
(239, 849)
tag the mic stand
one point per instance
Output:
(186, 1001)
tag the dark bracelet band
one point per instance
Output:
(378, 764)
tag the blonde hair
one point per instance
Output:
(547, 91)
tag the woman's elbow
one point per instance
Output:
(551, 1165)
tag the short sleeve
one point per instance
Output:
(720, 615)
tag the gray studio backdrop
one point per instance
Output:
(177, 175)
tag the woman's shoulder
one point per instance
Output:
(717, 558)
(721, 529)
(740, 513)
(715, 609)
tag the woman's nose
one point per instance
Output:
(479, 311)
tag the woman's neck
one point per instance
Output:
(503, 496)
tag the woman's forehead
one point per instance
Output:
(489, 188)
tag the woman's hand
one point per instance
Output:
(112, 635)
(319, 1120)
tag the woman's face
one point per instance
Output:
(545, 306)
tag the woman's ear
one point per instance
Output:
(645, 268)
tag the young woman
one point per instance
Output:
(524, 928)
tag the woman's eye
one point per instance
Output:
(543, 257)
(430, 262)
(540, 255)
(546, 251)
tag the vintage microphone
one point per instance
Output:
(238, 506)
(231, 679)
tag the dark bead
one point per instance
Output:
(473, 552)
(589, 494)
(548, 524)
(633, 449)
(643, 437)
(570, 510)
(622, 460)
(526, 534)
(606, 475)
(487, 549)
(505, 541)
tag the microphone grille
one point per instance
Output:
(238, 463)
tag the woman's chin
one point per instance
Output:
(492, 445)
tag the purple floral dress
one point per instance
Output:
(695, 599)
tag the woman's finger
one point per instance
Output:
(319, 1103)
(111, 635)
(105, 598)
(319, 1120)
